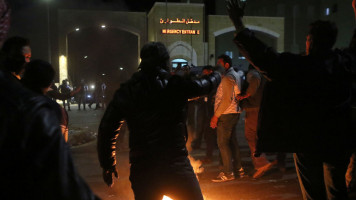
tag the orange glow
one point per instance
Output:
(178, 21)
(166, 198)
(180, 32)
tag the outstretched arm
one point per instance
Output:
(199, 87)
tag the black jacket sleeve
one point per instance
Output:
(108, 132)
(199, 87)
(56, 95)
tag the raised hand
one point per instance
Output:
(236, 11)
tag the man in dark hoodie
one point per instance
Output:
(153, 104)
(306, 106)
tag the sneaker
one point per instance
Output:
(261, 171)
(222, 177)
(241, 173)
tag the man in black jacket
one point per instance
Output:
(153, 104)
(306, 105)
(35, 159)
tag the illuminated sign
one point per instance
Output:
(180, 32)
(178, 21)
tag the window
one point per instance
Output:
(180, 62)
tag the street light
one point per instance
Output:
(85, 57)
(77, 29)
(103, 74)
(121, 68)
(103, 26)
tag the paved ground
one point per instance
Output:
(274, 186)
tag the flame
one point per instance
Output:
(166, 198)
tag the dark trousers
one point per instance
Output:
(153, 178)
(227, 142)
(68, 104)
(202, 122)
(211, 143)
(322, 176)
(81, 100)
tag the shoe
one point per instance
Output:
(261, 171)
(222, 177)
(241, 173)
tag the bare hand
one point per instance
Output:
(214, 122)
(108, 176)
(236, 10)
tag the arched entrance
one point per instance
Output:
(221, 33)
(224, 45)
(182, 50)
(72, 22)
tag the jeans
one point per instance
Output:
(227, 142)
(322, 176)
(152, 178)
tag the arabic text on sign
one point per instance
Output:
(178, 21)
(180, 32)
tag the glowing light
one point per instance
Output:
(178, 21)
(166, 198)
(63, 68)
(103, 74)
(103, 26)
(327, 11)
(85, 57)
(77, 29)
(121, 68)
(180, 32)
(92, 86)
(89, 96)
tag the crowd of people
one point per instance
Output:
(299, 104)
(82, 94)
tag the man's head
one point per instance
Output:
(207, 70)
(322, 36)
(16, 52)
(224, 61)
(38, 76)
(154, 56)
